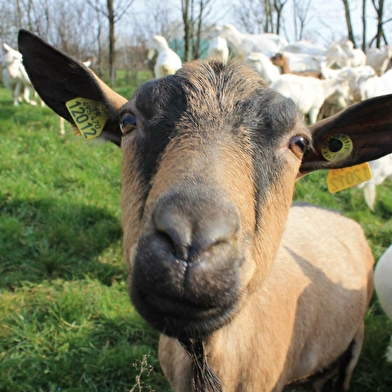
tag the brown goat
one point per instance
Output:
(249, 293)
(280, 60)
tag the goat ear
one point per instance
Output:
(361, 133)
(6, 47)
(58, 79)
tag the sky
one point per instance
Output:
(327, 23)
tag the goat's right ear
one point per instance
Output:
(360, 133)
(59, 79)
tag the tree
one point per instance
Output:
(278, 5)
(364, 26)
(301, 17)
(379, 8)
(113, 13)
(194, 13)
(350, 32)
(250, 18)
(186, 14)
(261, 16)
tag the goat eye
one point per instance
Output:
(298, 145)
(128, 123)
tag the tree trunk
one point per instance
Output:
(196, 53)
(350, 32)
(364, 46)
(269, 26)
(112, 71)
(99, 54)
(380, 14)
(278, 5)
(379, 8)
(187, 30)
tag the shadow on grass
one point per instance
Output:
(43, 239)
(75, 336)
(104, 355)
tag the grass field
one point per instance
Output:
(66, 322)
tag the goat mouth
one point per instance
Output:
(180, 318)
(184, 297)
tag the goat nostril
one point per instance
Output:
(175, 229)
(220, 230)
(179, 243)
(191, 232)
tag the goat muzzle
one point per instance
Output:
(186, 272)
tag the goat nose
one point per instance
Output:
(195, 227)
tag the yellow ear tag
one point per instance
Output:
(339, 179)
(89, 116)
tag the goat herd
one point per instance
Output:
(250, 293)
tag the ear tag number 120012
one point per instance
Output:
(89, 116)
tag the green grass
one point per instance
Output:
(66, 322)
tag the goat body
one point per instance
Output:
(379, 59)
(309, 93)
(17, 81)
(259, 294)
(263, 65)
(301, 62)
(354, 76)
(15, 77)
(357, 57)
(218, 49)
(383, 286)
(168, 61)
(305, 47)
(243, 44)
(375, 86)
(381, 170)
(297, 311)
(336, 56)
(280, 60)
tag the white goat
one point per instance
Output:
(302, 62)
(259, 293)
(15, 77)
(379, 58)
(383, 286)
(336, 56)
(310, 93)
(352, 75)
(17, 81)
(305, 48)
(375, 86)
(356, 57)
(168, 61)
(243, 44)
(263, 65)
(303, 56)
(218, 48)
(381, 170)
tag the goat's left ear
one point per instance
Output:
(361, 133)
(60, 80)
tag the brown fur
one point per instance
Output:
(260, 294)
(274, 315)
(280, 60)
(279, 316)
